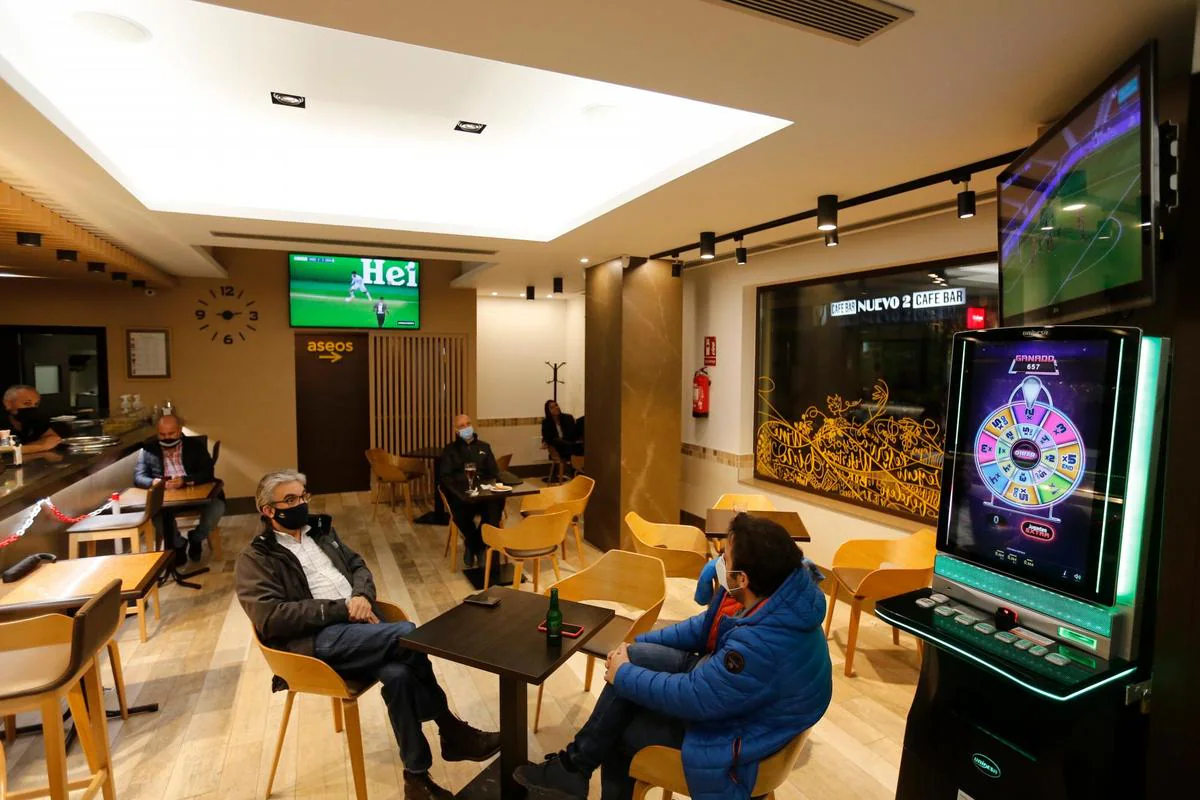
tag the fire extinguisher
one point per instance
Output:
(701, 384)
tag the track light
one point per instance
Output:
(831, 239)
(558, 286)
(739, 252)
(827, 208)
(120, 276)
(68, 256)
(530, 293)
(966, 204)
(26, 239)
(676, 268)
(708, 245)
(95, 266)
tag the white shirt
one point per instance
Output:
(325, 581)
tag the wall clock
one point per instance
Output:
(227, 315)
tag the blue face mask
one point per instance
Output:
(466, 433)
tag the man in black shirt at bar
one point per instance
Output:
(467, 448)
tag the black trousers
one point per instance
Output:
(465, 515)
(567, 449)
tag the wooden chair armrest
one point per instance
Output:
(660, 766)
(390, 612)
(493, 537)
(645, 622)
(47, 629)
(305, 673)
(884, 583)
(677, 563)
(861, 554)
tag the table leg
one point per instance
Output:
(514, 734)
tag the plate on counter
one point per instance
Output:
(88, 444)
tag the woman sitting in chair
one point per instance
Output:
(728, 687)
(560, 433)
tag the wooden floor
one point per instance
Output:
(214, 733)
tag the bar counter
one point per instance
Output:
(76, 483)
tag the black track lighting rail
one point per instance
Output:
(957, 174)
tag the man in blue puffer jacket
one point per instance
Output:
(728, 687)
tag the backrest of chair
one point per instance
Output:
(503, 461)
(94, 625)
(536, 532)
(746, 502)
(618, 577)
(154, 498)
(773, 771)
(682, 549)
(916, 551)
(377, 456)
(216, 452)
(446, 505)
(303, 673)
(413, 466)
(576, 493)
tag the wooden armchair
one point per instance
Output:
(532, 539)
(392, 471)
(683, 549)
(618, 577)
(874, 569)
(308, 675)
(572, 496)
(663, 767)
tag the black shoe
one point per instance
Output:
(193, 548)
(470, 559)
(552, 780)
(181, 556)
(419, 786)
(461, 742)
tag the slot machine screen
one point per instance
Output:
(1037, 447)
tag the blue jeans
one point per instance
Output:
(619, 728)
(362, 651)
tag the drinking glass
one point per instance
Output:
(471, 486)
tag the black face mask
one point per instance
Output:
(293, 518)
(34, 421)
(169, 442)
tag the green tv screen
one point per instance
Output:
(354, 292)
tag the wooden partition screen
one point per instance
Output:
(417, 386)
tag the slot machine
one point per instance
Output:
(1037, 628)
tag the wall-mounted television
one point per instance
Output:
(1077, 210)
(354, 292)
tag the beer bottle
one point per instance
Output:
(554, 621)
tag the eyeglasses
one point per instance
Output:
(291, 501)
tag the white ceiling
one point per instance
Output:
(956, 83)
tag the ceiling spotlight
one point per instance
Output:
(95, 266)
(290, 100)
(739, 252)
(138, 284)
(120, 276)
(583, 261)
(1075, 207)
(558, 285)
(26, 239)
(676, 268)
(933, 275)
(966, 204)
(827, 208)
(495, 294)
(68, 256)
(831, 239)
(708, 245)
(470, 127)
(530, 293)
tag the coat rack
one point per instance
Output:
(554, 381)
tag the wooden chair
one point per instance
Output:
(532, 539)
(573, 496)
(308, 675)
(503, 462)
(47, 659)
(663, 767)
(875, 569)
(577, 464)
(118, 527)
(452, 534)
(391, 471)
(745, 502)
(618, 577)
(683, 549)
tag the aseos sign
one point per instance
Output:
(936, 298)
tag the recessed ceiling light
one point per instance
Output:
(1075, 207)
(291, 100)
(583, 261)
(470, 127)
(549, 297)
(95, 266)
(495, 294)
(26, 239)
(120, 276)
(138, 284)
(110, 27)
(68, 256)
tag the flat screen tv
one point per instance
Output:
(1077, 210)
(354, 292)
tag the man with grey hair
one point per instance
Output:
(306, 591)
(179, 461)
(28, 420)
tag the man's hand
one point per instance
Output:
(615, 659)
(360, 610)
(174, 483)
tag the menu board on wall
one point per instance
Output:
(852, 380)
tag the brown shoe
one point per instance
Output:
(421, 787)
(461, 742)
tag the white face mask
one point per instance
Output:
(723, 576)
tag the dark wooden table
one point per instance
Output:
(176, 501)
(716, 523)
(505, 640)
(502, 574)
(439, 515)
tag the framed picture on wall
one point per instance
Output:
(147, 353)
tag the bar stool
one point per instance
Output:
(118, 527)
(52, 657)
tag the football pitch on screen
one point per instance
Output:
(325, 304)
(1088, 250)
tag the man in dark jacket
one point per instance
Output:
(728, 687)
(307, 592)
(179, 461)
(467, 448)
